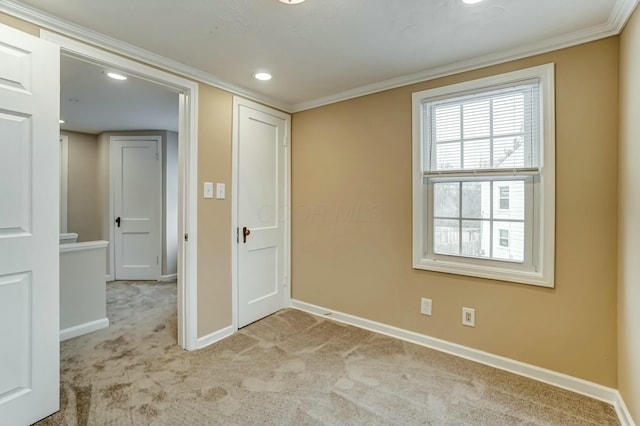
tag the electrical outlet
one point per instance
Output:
(425, 306)
(469, 317)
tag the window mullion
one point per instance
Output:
(491, 134)
(460, 218)
(491, 219)
(462, 137)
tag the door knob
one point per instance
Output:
(118, 221)
(245, 233)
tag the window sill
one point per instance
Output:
(536, 278)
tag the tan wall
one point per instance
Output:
(20, 25)
(82, 207)
(351, 201)
(214, 223)
(629, 225)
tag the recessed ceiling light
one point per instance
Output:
(61, 121)
(264, 76)
(291, 1)
(471, 1)
(116, 76)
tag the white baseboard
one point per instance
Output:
(168, 278)
(564, 381)
(87, 327)
(623, 413)
(109, 278)
(214, 337)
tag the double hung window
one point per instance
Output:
(484, 177)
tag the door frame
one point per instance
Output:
(158, 188)
(187, 170)
(237, 103)
(64, 183)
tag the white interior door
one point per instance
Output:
(29, 227)
(136, 171)
(261, 144)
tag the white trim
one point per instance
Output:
(86, 328)
(237, 102)
(620, 14)
(168, 278)
(214, 337)
(87, 245)
(188, 172)
(112, 214)
(564, 381)
(64, 183)
(70, 29)
(234, 214)
(622, 411)
(188, 219)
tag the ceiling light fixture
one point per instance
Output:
(263, 76)
(471, 1)
(116, 76)
(291, 1)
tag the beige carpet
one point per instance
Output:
(288, 369)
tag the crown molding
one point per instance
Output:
(620, 14)
(69, 29)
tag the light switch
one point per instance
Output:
(208, 190)
(220, 191)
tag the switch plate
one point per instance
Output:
(208, 190)
(220, 191)
(469, 317)
(425, 306)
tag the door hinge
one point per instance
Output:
(238, 235)
(285, 282)
(286, 141)
(186, 237)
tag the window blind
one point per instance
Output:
(496, 130)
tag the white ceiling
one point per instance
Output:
(90, 102)
(322, 50)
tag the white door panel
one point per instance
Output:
(261, 210)
(29, 227)
(137, 193)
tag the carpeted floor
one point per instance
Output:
(288, 369)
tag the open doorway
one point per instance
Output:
(179, 242)
(122, 168)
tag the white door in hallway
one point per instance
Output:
(261, 141)
(136, 173)
(29, 228)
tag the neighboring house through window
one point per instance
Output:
(484, 177)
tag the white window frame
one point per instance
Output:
(538, 268)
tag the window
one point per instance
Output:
(484, 177)
(504, 198)
(504, 238)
